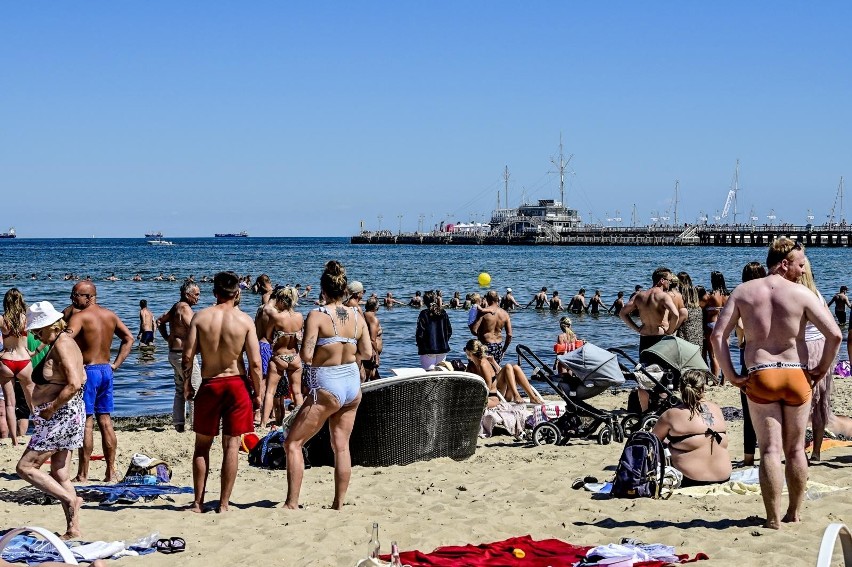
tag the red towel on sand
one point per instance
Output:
(542, 553)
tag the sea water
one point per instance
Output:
(144, 385)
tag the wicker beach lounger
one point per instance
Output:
(416, 417)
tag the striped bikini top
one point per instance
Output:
(322, 341)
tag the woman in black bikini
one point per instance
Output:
(696, 434)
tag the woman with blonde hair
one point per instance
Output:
(696, 434)
(335, 338)
(283, 331)
(15, 358)
(504, 380)
(822, 417)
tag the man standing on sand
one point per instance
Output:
(489, 325)
(174, 326)
(221, 334)
(146, 324)
(93, 328)
(774, 311)
(659, 316)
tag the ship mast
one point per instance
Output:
(506, 184)
(677, 186)
(561, 165)
(736, 189)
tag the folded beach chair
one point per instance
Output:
(829, 539)
(61, 548)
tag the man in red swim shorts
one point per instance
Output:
(774, 311)
(220, 334)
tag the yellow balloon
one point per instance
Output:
(484, 279)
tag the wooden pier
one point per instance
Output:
(831, 236)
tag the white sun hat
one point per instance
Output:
(42, 314)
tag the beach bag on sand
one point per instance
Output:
(641, 468)
(145, 470)
(269, 452)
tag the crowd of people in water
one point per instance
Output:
(234, 371)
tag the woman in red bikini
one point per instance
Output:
(15, 358)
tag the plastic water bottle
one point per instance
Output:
(395, 560)
(375, 547)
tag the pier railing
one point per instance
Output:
(834, 235)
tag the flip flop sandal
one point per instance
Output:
(178, 544)
(163, 545)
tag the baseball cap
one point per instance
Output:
(509, 290)
(355, 287)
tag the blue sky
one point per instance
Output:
(302, 119)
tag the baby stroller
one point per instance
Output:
(593, 370)
(672, 355)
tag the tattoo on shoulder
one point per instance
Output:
(342, 314)
(707, 415)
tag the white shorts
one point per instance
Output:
(428, 361)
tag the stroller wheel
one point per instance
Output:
(546, 434)
(649, 422)
(630, 424)
(605, 435)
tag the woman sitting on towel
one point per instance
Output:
(696, 434)
(504, 380)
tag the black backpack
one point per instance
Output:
(269, 452)
(641, 467)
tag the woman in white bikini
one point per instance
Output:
(336, 336)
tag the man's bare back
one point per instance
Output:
(178, 319)
(656, 309)
(93, 328)
(223, 333)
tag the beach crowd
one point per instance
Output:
(235, 373)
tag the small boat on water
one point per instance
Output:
(157, 234)
(10, 234)
(241, 234)
(160, 242)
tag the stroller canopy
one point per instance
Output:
(676, 353)
(590, 362)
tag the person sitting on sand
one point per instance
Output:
(566, 341)
(59, 414)
(696, 434)
(504, 380)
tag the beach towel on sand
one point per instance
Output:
(510, 417)
(542, 553)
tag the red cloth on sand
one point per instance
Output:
(553, 552)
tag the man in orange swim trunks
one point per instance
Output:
(774, 311)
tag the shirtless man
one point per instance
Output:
(174, 326)
(370, 366)
(146, 324)
(617, 305)
(556, 302)
(389, 300)
(489, 325)
(774, 311)
(221, 334)
(540, 299)
(841, 304)
(93, 328)
(508, 302)
(158, 278)
(578, 302)
(659, 316)
(416, 301)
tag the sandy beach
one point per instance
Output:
(506, 489)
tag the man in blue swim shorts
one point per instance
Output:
(93, 328)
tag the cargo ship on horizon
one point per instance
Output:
(10, 234)
(241, 234)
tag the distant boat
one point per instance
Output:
(242, 234)
(157, 234)
(160, 242)
(10, 234)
